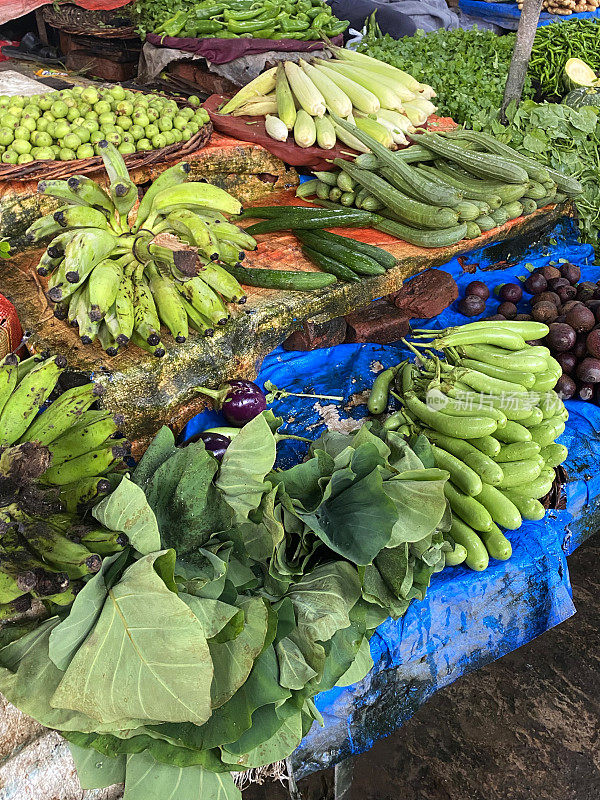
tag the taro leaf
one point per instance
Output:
(213, 614)
(187, 505)
(147, 779)
(95, 771)
(376, 591)
(361, 666)
(66, 637)
(394, 568)
(302, 482)
(205, 577)
(241, 575)
(402, 457)
(286, 619)
(261, 538)
(421, 447)
(419, 508)
(233, 660)
(146, 658)
(127, 510)
(274, 735)
(232, 719)
(323, 598)
(340, 652)
(160, 449)
(28, 679)
(247, 460)
(294, 672)
(358, 522)
(331, 442)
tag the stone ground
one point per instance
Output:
(526, 727)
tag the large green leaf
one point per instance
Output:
(206, 576)
(127, 510)
(66, 637)
(294, 672)
(395, 567)
(95, 771)
(360, 667)
(213, 614)
(158, 451)
(303, 481)
(147, 779)
(358, 522)
(275, 734)
(323, 599)
(261, 538)
(247, 460)
(146, 658)
(419, 508)
(233, 660)
(188, 507)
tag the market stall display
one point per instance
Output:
(506, 15)
(67, 125)
(117, 278)
(555, 45)
(304, 20)
(564, 8)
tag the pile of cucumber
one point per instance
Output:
(444, 188)
(489, 410)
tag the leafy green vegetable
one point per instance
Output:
(127, 510)
(94, 771)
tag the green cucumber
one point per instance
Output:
(513, 432)
(500, 508)
(554, 454)
(301, 217)
(497, 544)
(518, 472)
(477, 556)
(330, 265)
(363, 265)
(468, 508)
(296, 281)
(487, 445)
(460, 474)
(546, 433)
(536, 418)
(529, 507)
(378, 254)
(456, 556)
(517, 451)
(536, 489)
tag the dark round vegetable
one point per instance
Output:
(588, 370)
(243, 402)
(507, 310)
(471, 306)
(568, 361)
(571, 272)
(549, 272)
(544, 312)
(561, 318)
(566, 307)
(555, 283)
(581, 319)
(592, 304)
(512, 292)
(523, 317)
(565, 387)
(495, 317)
(566, 293)
(477, 288)
(551, 297)
(535, 283)
(596, 294)
(537, 342)
(585, 391)
(580, 347)
(561, 337)
(586, 290)
(215, 443)
(592, 343)
(597, 314)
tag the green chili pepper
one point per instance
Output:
(247, 26)
(203, 27)
(240, 16)
(207, 12)
(289, 25)
(338, 26)
(303, 6)
(320, 20)
(173, 25)
(314, 12)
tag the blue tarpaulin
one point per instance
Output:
(467, 619)
(507, 15)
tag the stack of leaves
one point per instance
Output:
(560, 137)
(244, 593)
(467, 68)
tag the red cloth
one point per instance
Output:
(11, 9)
(11, 332)
(220, 51)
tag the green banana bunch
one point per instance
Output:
(118, 280)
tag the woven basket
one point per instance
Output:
(47, 170)
(80, 22)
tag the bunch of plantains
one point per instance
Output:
(118, 279)
(53, 466)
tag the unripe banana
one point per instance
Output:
(26, 365)
(91, 193)
(60, 189)
(82, 253)
(43, 227)
(47, 264)
(81, 217)
(88, 328)
(124, 195)
(75, 559)
(103, 285)
(12, 586)
(193, 194)
(27, 399)
(156, 349)
(64, 598)
(9, 373)
(168, 303)
(222, 282)
(229, 253)
(113, 162)
(82, 493)
(88, 465)
(189, 224)
(62, 414)
(147, 323)
(105, 542)
(231, 232)
(17, 606)
(107, 341)
(197, 320)
(73, 307)
(56, 248)
(204, 300)
(124, 310)
(170, 177)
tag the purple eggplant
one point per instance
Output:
(215, 443)
(239, 400)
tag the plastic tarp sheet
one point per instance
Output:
(507, 15)
(467, 619)
(12, 9)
